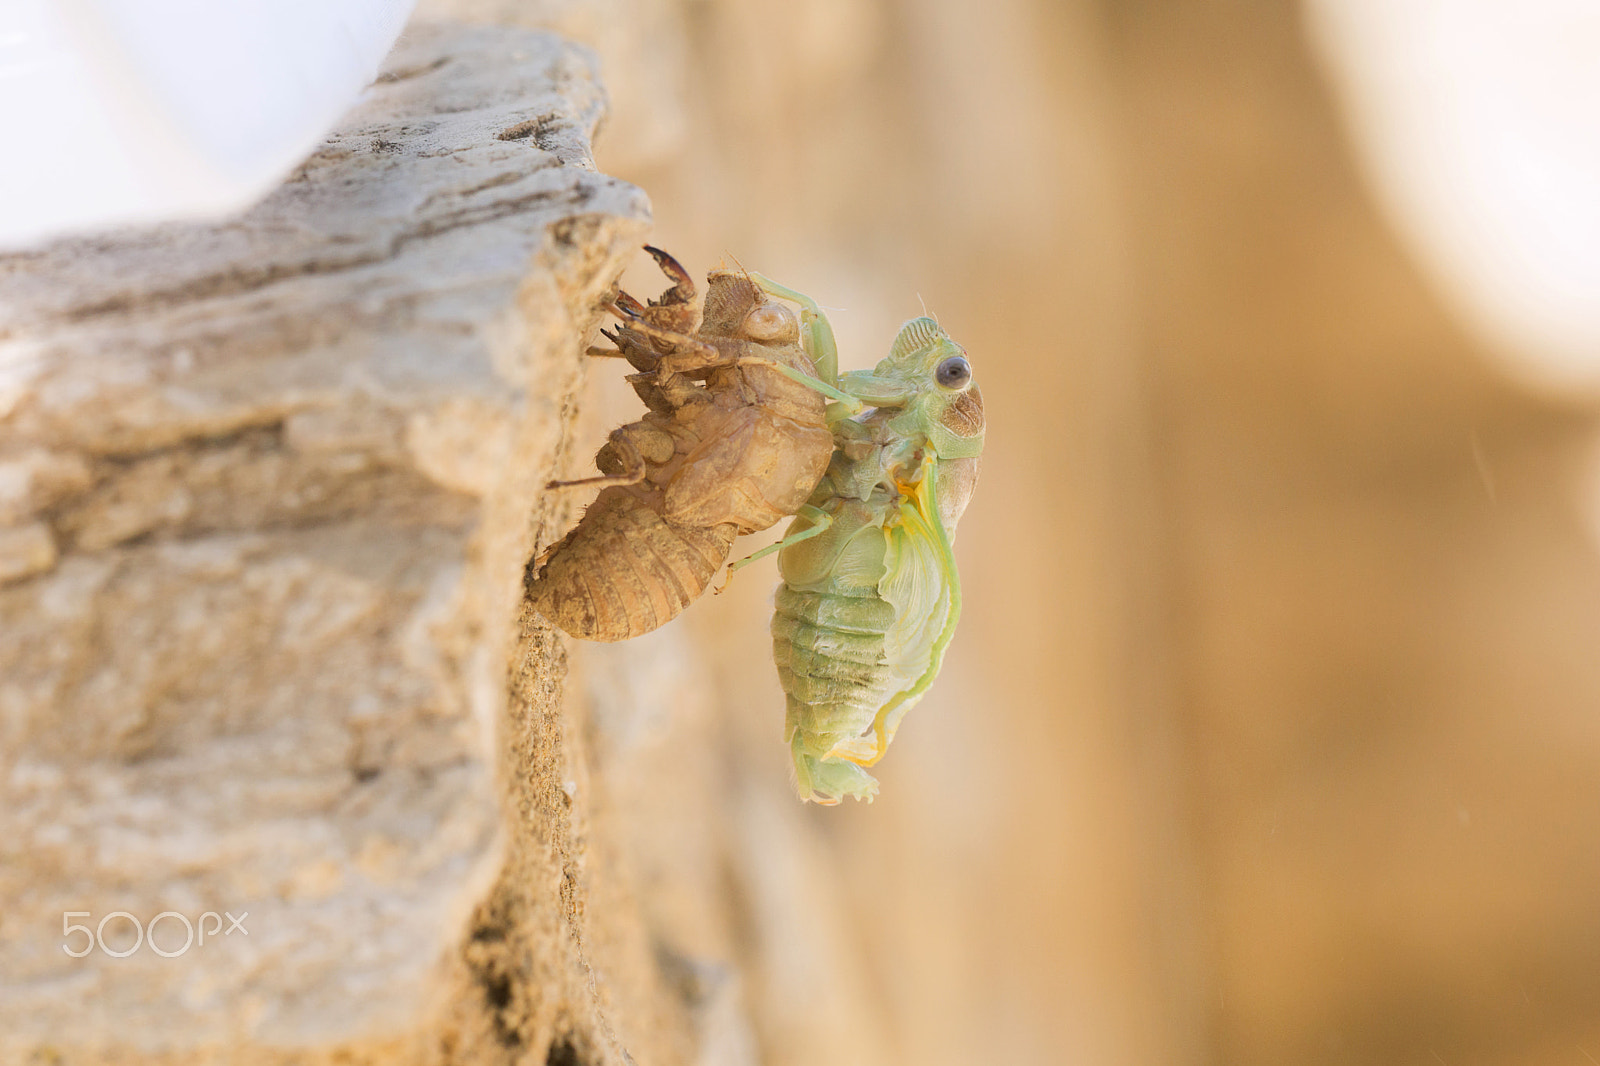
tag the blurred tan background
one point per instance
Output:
(1269, 735)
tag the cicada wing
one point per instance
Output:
(924, 588)
(908, 584)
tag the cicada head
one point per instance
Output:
(945, 403)
(924, 357)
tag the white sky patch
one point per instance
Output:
(139, 110)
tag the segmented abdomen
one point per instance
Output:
(624, 570)
(829, 649)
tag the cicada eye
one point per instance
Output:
(769, 322)
(954, 373)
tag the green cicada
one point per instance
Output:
(870, 593)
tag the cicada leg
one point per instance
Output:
(844, 399)
(816, 332)
(626, 306)
(631, 312)
(820, 521)
(682, 291)
(632, 476)
(608, 353)
(629, 456)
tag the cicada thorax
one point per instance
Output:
(625, 569)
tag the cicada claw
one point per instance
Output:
(625, 306)
(682, 291)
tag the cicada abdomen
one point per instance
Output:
(831, 643)
(625, 570)
(871, 595)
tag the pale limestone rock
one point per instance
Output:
(647, 66)
(25, 551)
(293, 463)
(33, 479)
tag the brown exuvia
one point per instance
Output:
(729, 446)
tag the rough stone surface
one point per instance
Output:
(266, 489)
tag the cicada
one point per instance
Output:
(870, 594)
(735, 439)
